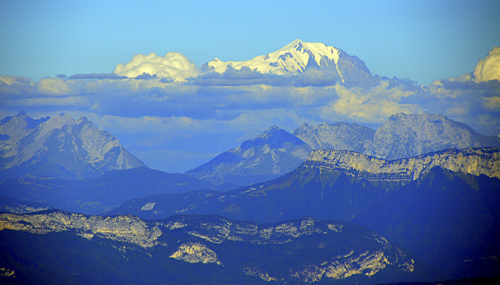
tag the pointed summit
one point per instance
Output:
(59, 147)
(299, 56)
(269, 155)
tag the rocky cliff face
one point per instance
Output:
(354, 71)
(335, 136)
(326, 249)
(474, 161)
(408, 135)
(121, 228)
(271, 154)
(63, 147)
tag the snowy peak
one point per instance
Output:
(295, 57)
(298, 57)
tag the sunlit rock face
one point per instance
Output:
(196, 253)
(317, 250)
(408, 135)
(474, 161)
(121, 228)
(61, 147)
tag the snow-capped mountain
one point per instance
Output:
(299, 56)
(407, 135)
(269, 155)
(338, 136)
(59, 147)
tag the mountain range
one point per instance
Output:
(276, 152)
(417, 202)
(426, 183)
(59, 147)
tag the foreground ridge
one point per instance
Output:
(346, 250)
(474, 161)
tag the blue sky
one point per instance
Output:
(175, 126)
(421, 40)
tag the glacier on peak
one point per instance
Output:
(292, 58)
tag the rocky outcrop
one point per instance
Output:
(195, 253)
(337, 136)
(215, 240)
(474, 161)
(342, 267)
(408, 135)
(121, 228)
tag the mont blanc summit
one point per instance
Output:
(299, 56)
(292, 58)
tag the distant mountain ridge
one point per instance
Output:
(269, 155)
(94, 196)
(59, 147)
(401, 136)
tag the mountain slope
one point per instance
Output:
(407, 135)
(93, 196)
(349, 186)
(200, 249)
(335, 136)
(299, 56)
(65, 148)
(269, 155)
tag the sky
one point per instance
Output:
(58, 56)
(421, 40)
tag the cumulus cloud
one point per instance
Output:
(372, 105)
(488, 68)
(173, 65)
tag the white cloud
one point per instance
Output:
(54, 86)
(488, 68)
(173, 65)
(373, 105)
